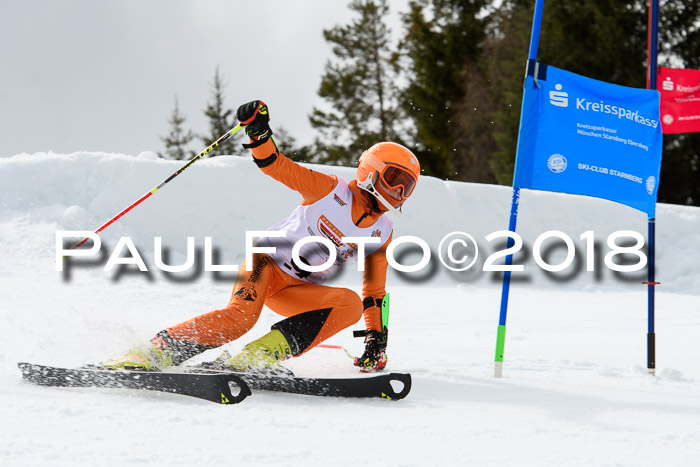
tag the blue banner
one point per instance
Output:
(588, 137)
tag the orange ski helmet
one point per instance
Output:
(388, 166)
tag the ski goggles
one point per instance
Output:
(394, 176)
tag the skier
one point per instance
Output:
(331, 208)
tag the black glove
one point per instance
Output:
(374, 358)
(256, 119)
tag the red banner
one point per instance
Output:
(680, 100)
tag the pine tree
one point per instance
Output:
(358, 86)
(221, 120)
(504, 64)
(443, 40)
(177, 140)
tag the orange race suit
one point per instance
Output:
(313, 312)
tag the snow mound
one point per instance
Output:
(225, 196)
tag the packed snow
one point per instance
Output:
(575, 389)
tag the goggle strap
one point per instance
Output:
(368, 185)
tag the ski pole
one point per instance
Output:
(223, 138)
(339, 347)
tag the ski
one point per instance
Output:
(214, 386)
(393, 386)
(221, 386)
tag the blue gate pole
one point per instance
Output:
(651, 334)
(651, 266)
(501, 335)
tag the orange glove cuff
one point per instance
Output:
(265, 150)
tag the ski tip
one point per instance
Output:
(25, 367)
(234, 391)
(398, 386)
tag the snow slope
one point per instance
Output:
(575, 390)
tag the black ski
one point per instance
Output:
(215, 386)
(392, 386)
(370, 386)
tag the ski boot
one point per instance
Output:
(262, 356)
(155, 356)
